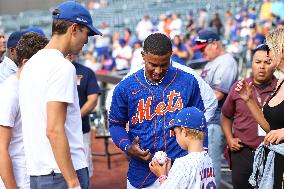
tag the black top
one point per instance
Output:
(275, 118)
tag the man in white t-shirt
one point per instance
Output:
(49, 104)
(13, 170)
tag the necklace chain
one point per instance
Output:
(153, 83)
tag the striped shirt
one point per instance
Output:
(7, 68)
(193, 171)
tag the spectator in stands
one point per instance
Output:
(8, 66)
(265, 10)
(235, 48)
(190, 20)
(252, 14)
(245, 26)
(136, 60)
(180, 52)
(88, 93)
(203, 18)
(122, 55)
(167, 23)
(161, 24)
(255, 38)
(216, 24)
(229, 21)
(220, 73)
(102, 43)
(143, 28)
(128, 37)
(175, 25)
(196, 59)
(108, 63)
(115, 41)
(155, 26)
(246, 135)
(90, 61)
(2, 46)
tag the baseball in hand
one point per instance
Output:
(161, 157)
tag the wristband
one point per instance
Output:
(162, 178)
(76, 187)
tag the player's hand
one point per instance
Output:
(135, 151)
(234, 144)
(244, 89)
(274, 136)
(158, 169)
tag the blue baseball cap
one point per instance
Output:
(35, 30)
(74, 12)
(191, 118)
(13, 39)
(204, 38)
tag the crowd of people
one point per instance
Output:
(47, 94)
(240, 33)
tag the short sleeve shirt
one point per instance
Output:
(194, 170)
(11, 117)
(87, 85)
(220, 74)
(46, 77)
(244, 125)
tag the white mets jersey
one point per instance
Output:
(193, 171)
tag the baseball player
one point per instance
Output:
(149, 100)
(195, 170)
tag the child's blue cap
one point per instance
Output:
(191, 118)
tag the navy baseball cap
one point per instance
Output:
(74, 12)
(35, 30)
(191, 118)
(13, 39)
(204, 38)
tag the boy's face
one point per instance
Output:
(180, 137)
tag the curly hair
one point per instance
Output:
(29, 44)
(157, 44)
(275, 41)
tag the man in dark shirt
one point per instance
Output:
(235, 114)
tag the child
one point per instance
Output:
(195, 170)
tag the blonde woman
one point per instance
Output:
(271, 119)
